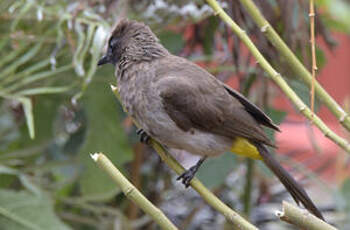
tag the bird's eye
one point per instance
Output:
(113, 43)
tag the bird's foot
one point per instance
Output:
(188, 175)
(144, 137)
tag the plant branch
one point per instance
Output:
(232, 216)
(313, 53)
(277, 78)
(132, 193)
(301, 218)
(295, 63)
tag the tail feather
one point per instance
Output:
(296, 191)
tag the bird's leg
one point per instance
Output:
(188, 175)
(144, 137)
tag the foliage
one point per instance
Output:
(56, 107)
(23, 210)
(48, 59)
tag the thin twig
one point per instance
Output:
(313, 53)
(295, 63)
(132, 193)
(277, 78)
(301, 218)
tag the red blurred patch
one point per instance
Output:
(295, 136)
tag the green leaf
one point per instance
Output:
(25, 180)
(341, 11)
(78, 58)
(20, 60)
(9, 56)
(43, 90)
(44, 113)
(215, 170)
(3, 43)
(6, 180)
(36, 76)
(27, 71)
(23, 211)
(28, 112)
(100, 37)
(336, 14)
(321, 58)
(28, 107)
(104, 134)
(88, 38)
(19, 15)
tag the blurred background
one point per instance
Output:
(57, 108)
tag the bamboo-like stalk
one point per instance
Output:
(295, 63)
(132, 193)
(313, 54)
(232, 216)
(277, 78)
(301, 218)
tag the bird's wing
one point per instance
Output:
(255, 111)
(195, 99)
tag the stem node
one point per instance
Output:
(264, 28)
(342, 118)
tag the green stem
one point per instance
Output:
(295, 63)
(16, 219)
(302, 218)
(277, 78)
(132, 193)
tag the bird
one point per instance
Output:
(183, 106)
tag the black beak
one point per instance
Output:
(104, 60)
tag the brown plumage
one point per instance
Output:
(184, 107)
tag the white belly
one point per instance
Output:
(161, 127)
(200, 143)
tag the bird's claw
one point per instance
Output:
(144, 137)
(187, 176)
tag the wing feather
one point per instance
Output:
(195, 99)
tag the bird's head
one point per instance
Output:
(133, 40)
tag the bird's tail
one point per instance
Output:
(297, 192)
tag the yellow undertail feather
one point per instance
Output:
(243, 147)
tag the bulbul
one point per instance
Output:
(182, 106)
